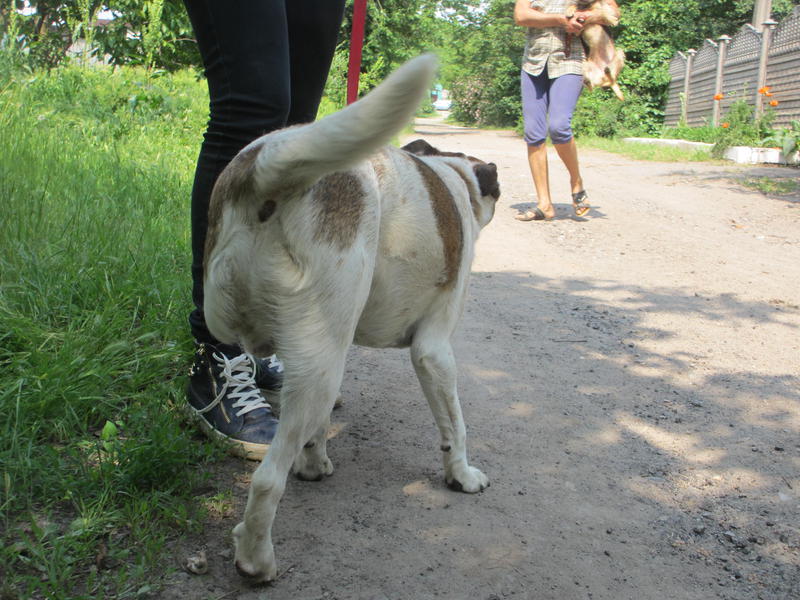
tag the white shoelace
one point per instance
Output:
(273, 362)
(239, 375)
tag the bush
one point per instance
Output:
(785, 138)
(487, 101)
(600, 114)
(426, 107)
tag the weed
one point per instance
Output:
(787, 139)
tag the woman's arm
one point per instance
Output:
(526, 16)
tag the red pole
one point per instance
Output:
(356, 45)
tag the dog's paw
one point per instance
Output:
(255, 557)
(469, 480)
(312, 470)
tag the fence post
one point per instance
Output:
(721, 52)
(762, 10)
(766, 42)
(685, 108)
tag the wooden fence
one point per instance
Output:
(737, 68)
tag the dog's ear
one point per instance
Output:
(420, 148)
(487, 179)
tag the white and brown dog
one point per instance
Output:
(321, 236)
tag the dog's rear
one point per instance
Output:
(278, 169)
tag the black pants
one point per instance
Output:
(266, 62)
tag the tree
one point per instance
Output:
(484, 64)
(156, 33)
(152, 32)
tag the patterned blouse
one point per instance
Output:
(545, 47)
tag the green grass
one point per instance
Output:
(770, 185)
(97, 466)
(653, 152)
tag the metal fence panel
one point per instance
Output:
(677, 71)
(783, 69)
(702, 80)
(739, 75)
(740, 71)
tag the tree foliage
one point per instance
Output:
(479, 45)
(149, 32)
(483, 66)
(154, 33)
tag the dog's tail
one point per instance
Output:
(298, 156)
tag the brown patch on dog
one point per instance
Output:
(448, 221)
(340, 197)
(472, 189)
(234, 182)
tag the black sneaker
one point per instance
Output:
(269, 373)
(225, 399)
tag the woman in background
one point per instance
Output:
(552, 80)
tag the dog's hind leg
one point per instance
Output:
(307, 399)
(435, 365)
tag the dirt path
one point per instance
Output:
(630, 383)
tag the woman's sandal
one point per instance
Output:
(533, 215)
(580, 201)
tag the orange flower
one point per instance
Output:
(773, 103)
(726, 125)
(764, 90)
(768, 94)
(718, 96)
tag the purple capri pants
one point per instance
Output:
(543, 97)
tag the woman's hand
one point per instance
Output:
(587, 17)
(575, 24)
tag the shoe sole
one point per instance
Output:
(240, 448)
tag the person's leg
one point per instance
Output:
(535, 100)
(568, 153)
(537, 160)
(245, 53)
(564, 93)
(317, 20)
